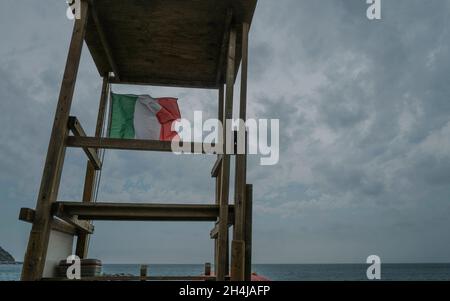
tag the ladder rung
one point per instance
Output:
(139, 212)
(134, 144)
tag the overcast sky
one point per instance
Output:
(364, 109)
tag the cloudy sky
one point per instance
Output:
(364, 109)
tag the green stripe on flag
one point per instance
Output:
(122, 117)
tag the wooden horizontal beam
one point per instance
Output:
(91, 153)
(163, 82)
(27, 215)
(139, 212)
(216, 168)
(132, 144)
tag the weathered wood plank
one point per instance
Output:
(224, 47)
(214, 233)
(224, 187)
(35, 255)
(78, 131)
(207, 269)
(220, 113)
(238, 243)
(185, 38)
(241, 159)
(237, 260)
(163, 82)
(139, 212)
(248, 231)
(83, 226)
(104, 41)
(221, 104)
(27, 215)
(91, 177)
(131, 144)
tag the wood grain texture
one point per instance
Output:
(223, 240)
(248, 231)
(165, 42)
(35, 255)
(241, 159)
(220, 116)
(139, 212)
(91, 177)
(27, 215)
(207, 269)
(130, 144)
(78, 131)
(237, 260)
(104, 41)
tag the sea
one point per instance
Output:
(280, 272)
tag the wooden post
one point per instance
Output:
(241, 160)
(238, 260)
(207, 269)
(238, 244)
(36, 253)
(220, 117)
(143, 271)
(91, 174)
(221, 107)
(225, 185)
(248, 231)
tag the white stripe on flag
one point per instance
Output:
(146, 124)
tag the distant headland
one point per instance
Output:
(6, 258)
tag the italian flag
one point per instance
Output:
(143, 117)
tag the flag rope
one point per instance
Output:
(104, 133)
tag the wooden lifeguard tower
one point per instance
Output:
(179, 43)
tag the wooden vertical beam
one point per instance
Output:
(248, 231)
(143, 272)
(241, 159)
(223, 48)
(225, 178)
(238, 260)
(221, 106)
(216, 256)
(238, 244)
(207, 269)
(36, 253)
(91, 174)
(220, 117)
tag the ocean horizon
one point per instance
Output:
(280, 272)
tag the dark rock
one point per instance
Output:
(5, 257)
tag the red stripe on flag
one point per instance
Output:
(168, 114)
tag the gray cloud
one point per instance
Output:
(365, 142)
